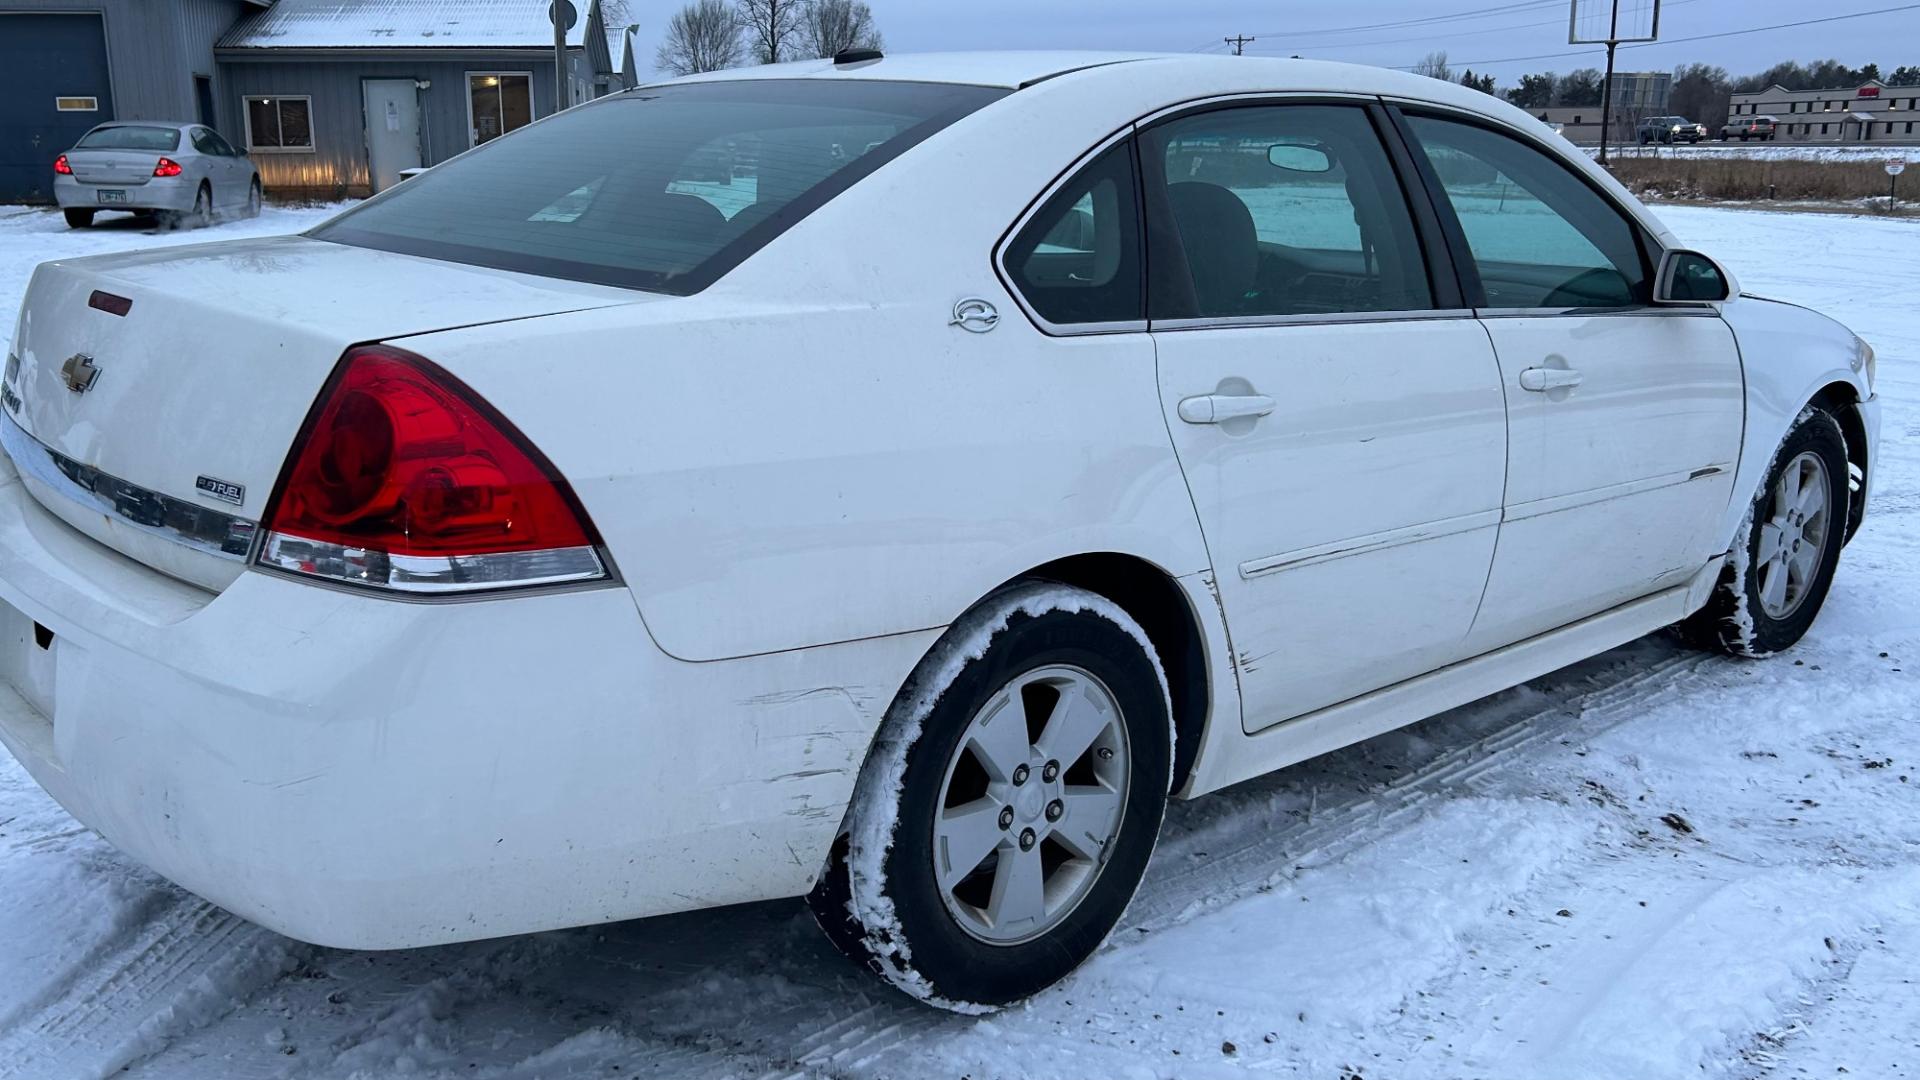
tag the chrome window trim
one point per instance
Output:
(1348, 318)
(1009, 282)
(1659, 310)
(189, 524)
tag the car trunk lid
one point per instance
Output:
(127, 167)
(157, 394)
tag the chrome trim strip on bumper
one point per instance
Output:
(189, 524)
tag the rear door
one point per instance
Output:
(1624, 419)
(1337, 413)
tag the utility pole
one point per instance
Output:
(1239, 43)
(1606, 89)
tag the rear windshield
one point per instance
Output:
(663, 189)
(130, 138)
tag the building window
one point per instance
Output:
(280, 124)
(77, 104)
(498, 102)
(1823, 129)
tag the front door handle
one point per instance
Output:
(1220, 408)
(1542, 379)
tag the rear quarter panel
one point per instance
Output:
(807, 452)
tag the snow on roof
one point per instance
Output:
(403, 24)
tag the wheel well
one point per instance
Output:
(1158, 604)
(1838, 400)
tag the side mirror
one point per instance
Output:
(1688, 277)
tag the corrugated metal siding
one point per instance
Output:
(338, 165)
(201, 22)
(143, 52)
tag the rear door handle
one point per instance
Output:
(1542, 379)
(1219, 408)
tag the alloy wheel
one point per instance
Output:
(1030, 805)
(1794, 538)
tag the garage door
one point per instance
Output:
(53, 87)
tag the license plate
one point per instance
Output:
(110, 195)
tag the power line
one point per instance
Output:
(1683, 40)
(1476, 13)
(1448, 35)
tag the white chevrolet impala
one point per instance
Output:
(888, 481)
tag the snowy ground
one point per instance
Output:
(1653, 864)
(1773, 151)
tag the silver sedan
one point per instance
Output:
(184, 174)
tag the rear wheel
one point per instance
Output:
(1010, 804)
(78, 217)
(1784, 563)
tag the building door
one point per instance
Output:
(203, 101)
(393, 129)
(53, 87)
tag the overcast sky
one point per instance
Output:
(1495, 30)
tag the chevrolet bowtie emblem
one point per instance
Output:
(79, 373)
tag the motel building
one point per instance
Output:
(1875, 112)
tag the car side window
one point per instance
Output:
(221, 146)
(1283, 210)
(205, 142)
(1080, 259)
(1540, 236)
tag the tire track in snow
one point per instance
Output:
(127, 996)
(1196, 873)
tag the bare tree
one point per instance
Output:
(773, 27)
(703, 36)
(1434, 66)
(615, 12)
(831, 27)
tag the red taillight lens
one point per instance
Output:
(166, 167)
(60, 166)
(404, 479)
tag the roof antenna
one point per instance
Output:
(856, 56)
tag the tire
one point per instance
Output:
(78, 217)
(199, 217)
(956, 936)
(253, 198)
(1769, 595)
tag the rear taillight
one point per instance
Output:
(166, 167)
(403, 479)
(60, 166)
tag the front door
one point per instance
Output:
(1624, 419)
(1343, 436)
(393, 129)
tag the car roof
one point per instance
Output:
(169, 124)
(1016, 69)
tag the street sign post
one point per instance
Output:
(1612, 23)
(1895, 166)
(562, 14)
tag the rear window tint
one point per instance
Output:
(663, 189)
(130, 138)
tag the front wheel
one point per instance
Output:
(1785, 558)
(1010, 804)
(253, 198)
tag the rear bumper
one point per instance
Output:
(366, 773)
(158, 193)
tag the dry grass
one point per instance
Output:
(1747, 179)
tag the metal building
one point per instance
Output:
(331, 98)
